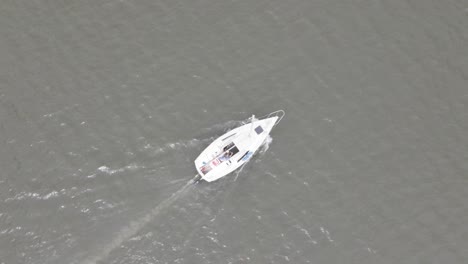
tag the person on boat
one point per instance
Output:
(226, 156)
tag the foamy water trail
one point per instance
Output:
(266, 144)
(238, 171)
(135, 226)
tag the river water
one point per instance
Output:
(104, 105)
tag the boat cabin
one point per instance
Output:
(228, 151)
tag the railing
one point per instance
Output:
(279, 113)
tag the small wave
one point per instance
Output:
(23, 195)
(326, 233)
(109, 171)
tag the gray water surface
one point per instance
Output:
(104, 105)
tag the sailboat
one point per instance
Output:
(236, 147)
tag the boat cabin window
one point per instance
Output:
(230, 150)
(259, 130)
(233, 151)
(228, 146)
(228, 154)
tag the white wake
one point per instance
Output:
(135, 226)
(127, 232)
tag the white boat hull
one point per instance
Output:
(233, 149)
